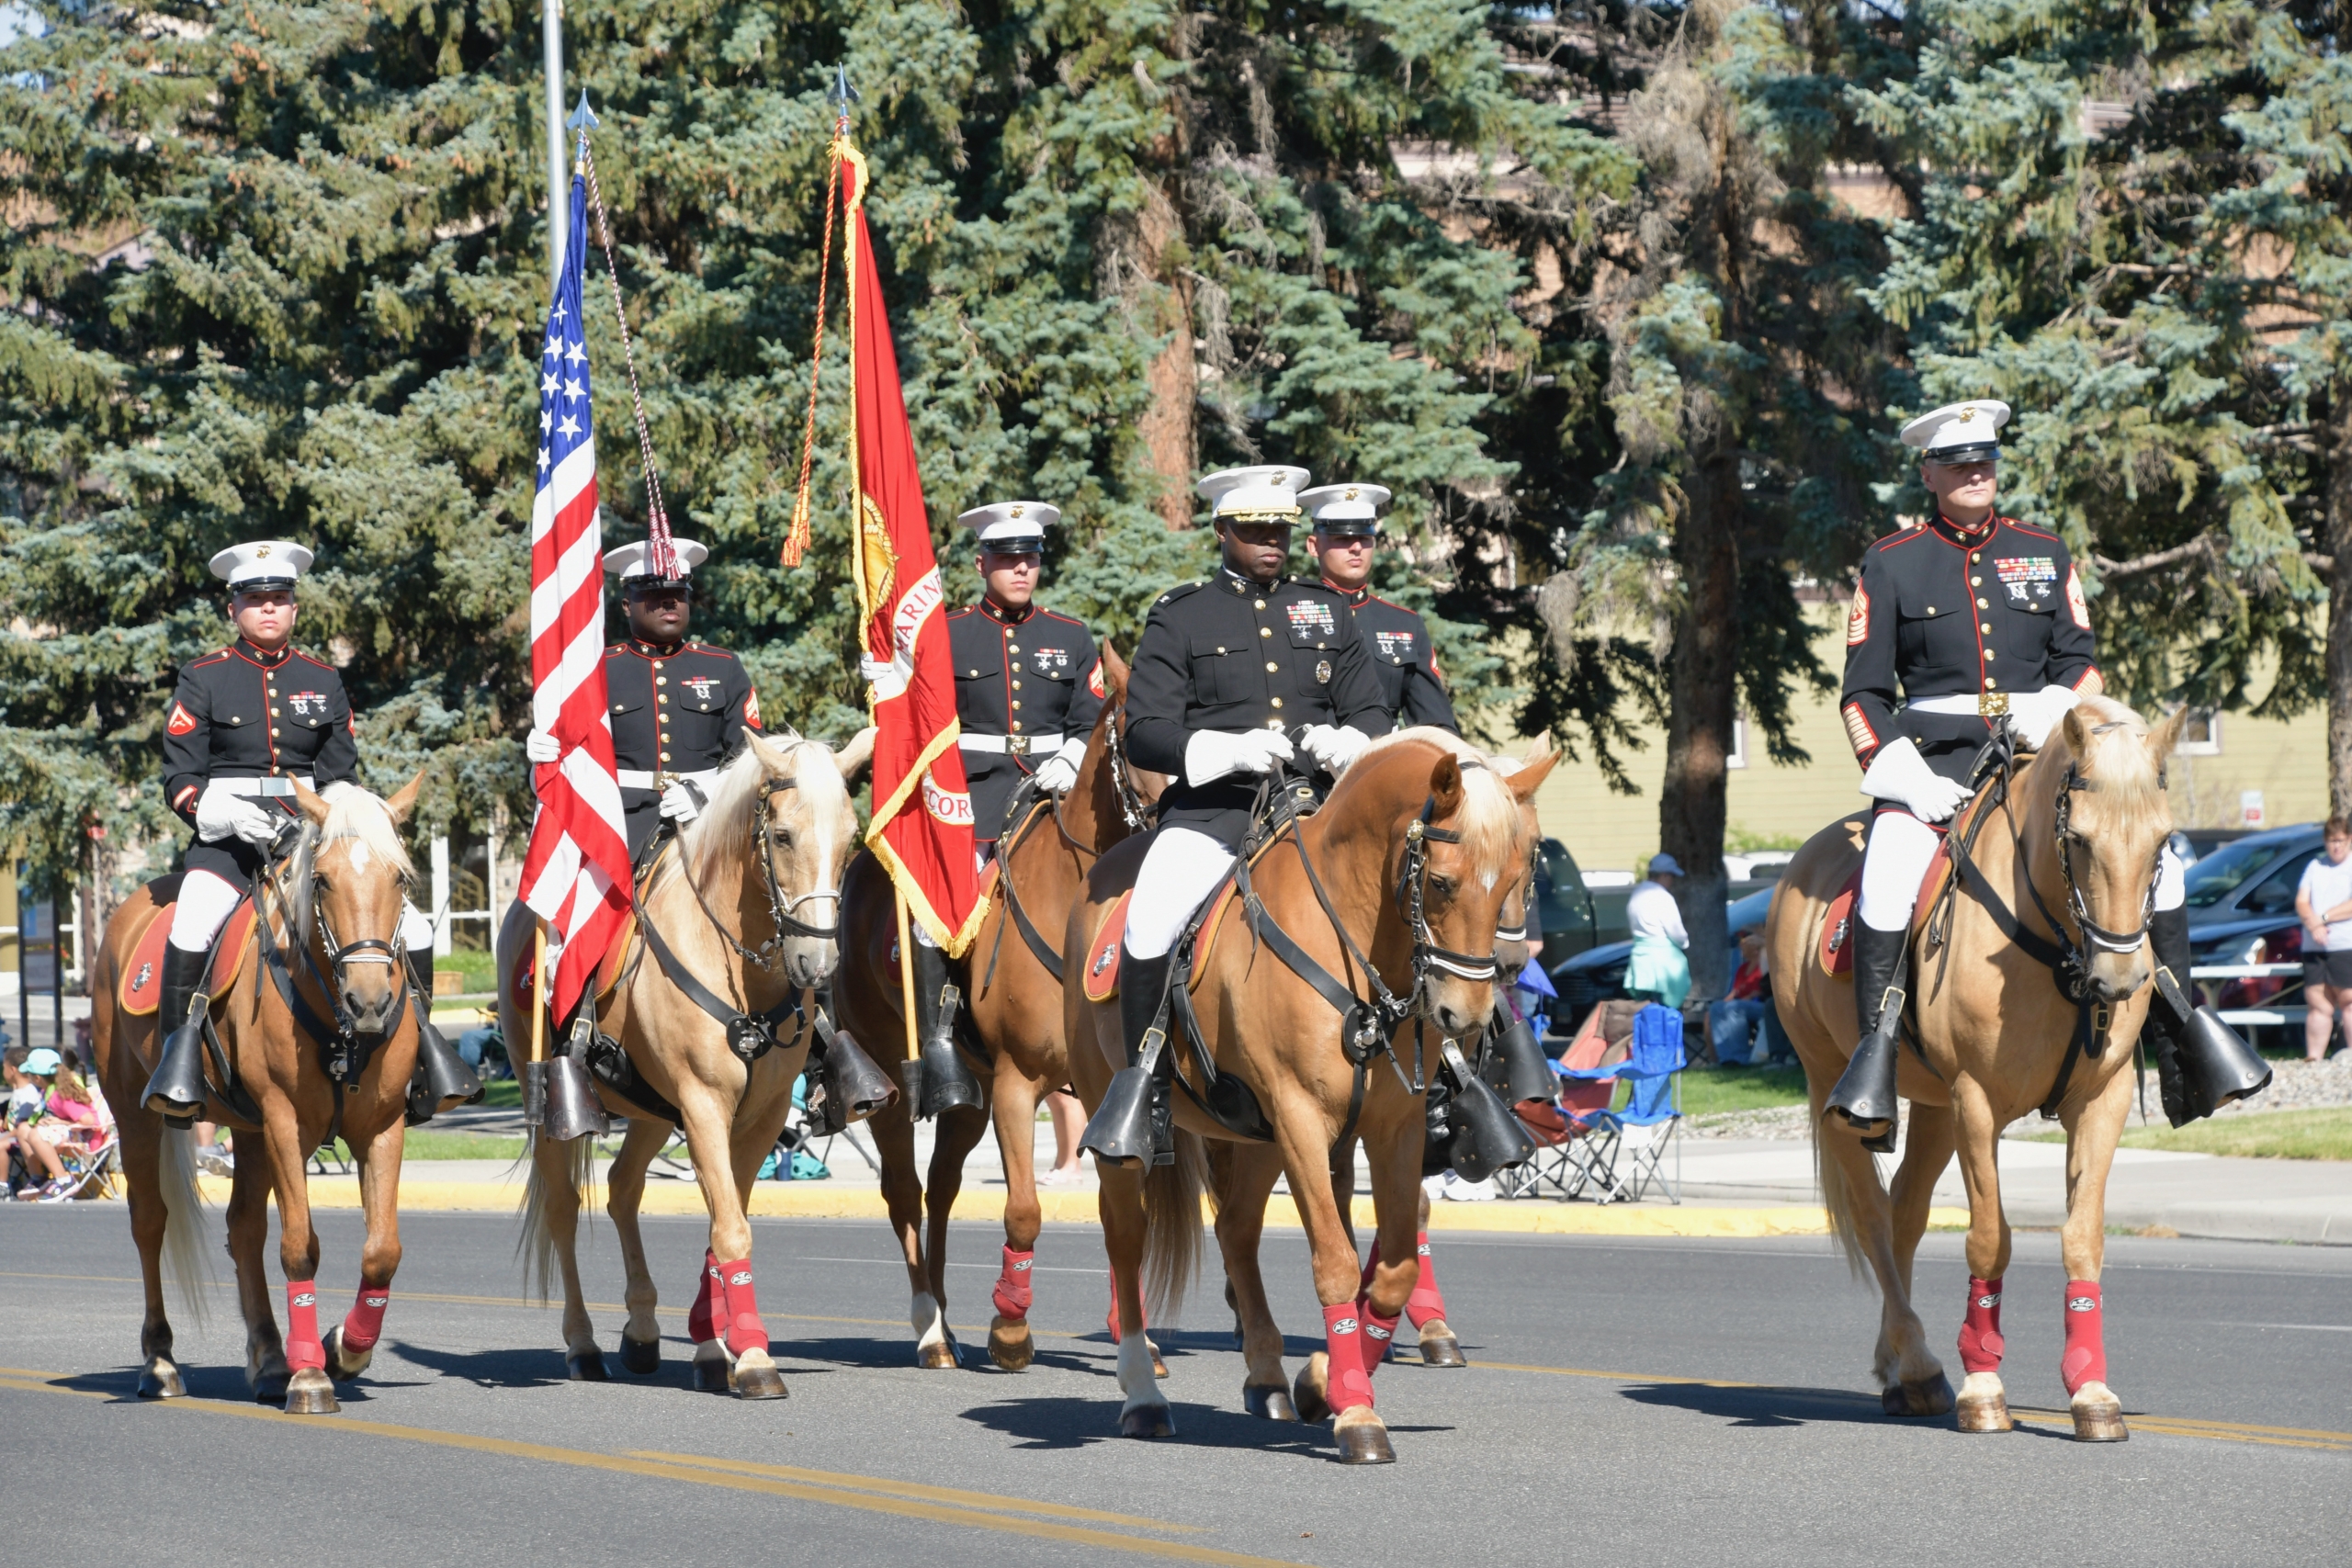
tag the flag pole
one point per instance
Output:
(905, 972)
(558, 208)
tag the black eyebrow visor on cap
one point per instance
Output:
(1976, 452)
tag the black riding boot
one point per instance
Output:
(177, 1091)
(941, 1081)
(1135, 1125)
(2201, 1062)
(1865, 1092)
(442, 1081)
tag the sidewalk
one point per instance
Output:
(1732, 1188)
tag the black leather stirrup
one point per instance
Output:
(1514, 1062)
(442, 1081)
(177, 1090)
(944, 1082)
(855, 1085)
(1865, 1091)
(1487, 1138)
(1127, 1128)
(2201, 1062)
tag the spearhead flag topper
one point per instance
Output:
(922, 827)
(576, 872)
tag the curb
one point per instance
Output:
(821, 1200)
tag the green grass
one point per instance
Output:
(1708, 1091)
(2266, 1134)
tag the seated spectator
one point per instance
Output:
(44, 1172)
(1733, 1022)
(67, 1114)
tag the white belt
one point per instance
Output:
(1008, 745)
(267, 788)
(1985, 705)
(639, 778)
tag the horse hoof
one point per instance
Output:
(585, 1366)
(1989, 1415)
(1925, 1397)
(1147, 1421)
(1159, 1367)
(711, 1367)
(1365, 1441)
(160, 1383)
(310, 1392)
(1308, 1388)
(640, 1356)
(938, 1356)
(1439, 1346)
(1010, 1345)
(1271, 1401)
(344, 1366)
(2099, 1419)
(760, 1382)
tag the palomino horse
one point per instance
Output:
(719, 914)
(1415, 854)
(1015, 988)
(2071, 844)
(330, 908)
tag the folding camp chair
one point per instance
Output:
(90, 1168)
(1562, 1129)
(1640, 1135)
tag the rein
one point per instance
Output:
(344, 1046)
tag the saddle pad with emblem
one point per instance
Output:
(1837, 929)
(1102, 953)
(141, 991)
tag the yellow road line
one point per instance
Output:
(909, 1489)
(2168, 1426)
(868, 1494)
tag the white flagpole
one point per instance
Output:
(558, 187)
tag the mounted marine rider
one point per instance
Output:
(1028, 690)
(678, 708)
(247, 722)
(1346, 535)
(1970, 622)
(1226, 671)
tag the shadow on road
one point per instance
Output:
(1772, 1406)
(1079, 1423)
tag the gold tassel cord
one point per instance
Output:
(796, 543)
(659, 546)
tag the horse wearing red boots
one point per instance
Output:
(2030, 984)
(1385, 903)
(312, 1035)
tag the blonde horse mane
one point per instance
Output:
(725, 824)
(2117, 756)
(1490, 824)
(356, 815)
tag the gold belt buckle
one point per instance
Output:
(1991, 704)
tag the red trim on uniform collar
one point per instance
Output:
(1952, 533)
(1356, 597)
(655, 649)
(998, 613)
(266, 661)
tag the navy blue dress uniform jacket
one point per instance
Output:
(1228, 654)
(238, 713)
(1412, 687)
(677, 708)
(1947, 612)
(1034, 679)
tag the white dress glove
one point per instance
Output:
(222, 814)
(1057, 774)
(1211, 754)
(1900, 775)
(1333, 747)
(2033, 715)
(681, 802)
(541, 747)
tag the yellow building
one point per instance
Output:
(2231, 765)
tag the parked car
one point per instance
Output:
(1564, 904)
(1598, 974)
(2242, 910)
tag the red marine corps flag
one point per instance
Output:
(922, 827)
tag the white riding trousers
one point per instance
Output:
(1900, 848)
(204, 907)
(1182, 868)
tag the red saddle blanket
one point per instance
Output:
(141, 991)
(1102, 953)
(1836, 950)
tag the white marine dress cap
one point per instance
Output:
(625, 561)
(1011, 525)
(1959, 433)
(1268, 492)
(1345, 509)
(263, 564)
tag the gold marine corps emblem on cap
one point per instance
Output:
(261, 552)
(1351, 494)
(1966, 414)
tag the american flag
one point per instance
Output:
(576, 874)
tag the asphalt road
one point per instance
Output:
(1580, 1434)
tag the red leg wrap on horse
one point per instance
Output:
(365, 1323)
(302, 1346)
(2085, 1357)
(1351, 1385)
(1980, 1331)
(1426, 1301)
(1013, 1284)
(702, 1318)
(1379, 1333)
(744, 1330)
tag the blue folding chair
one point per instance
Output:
(1641, 1134)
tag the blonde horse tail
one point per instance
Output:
(536, 1245)
(187, 1262)
(1838, 1200)
(1172, 1227)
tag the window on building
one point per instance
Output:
(2201, 736)
(1738, 758)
